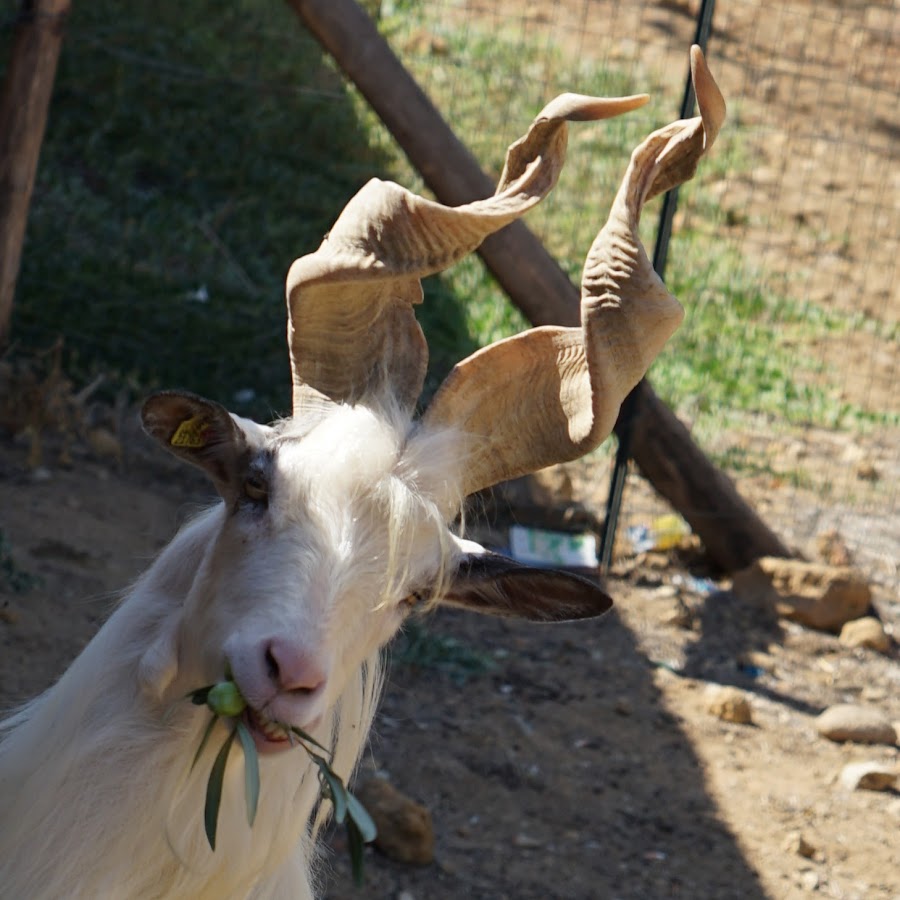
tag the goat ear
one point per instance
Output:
(204, 433)
(491, 583)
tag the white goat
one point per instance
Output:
(332, 525)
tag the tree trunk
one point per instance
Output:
(23, 115)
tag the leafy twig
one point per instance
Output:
(226, 703)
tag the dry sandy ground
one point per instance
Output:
(581, 764)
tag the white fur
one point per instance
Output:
(97, 799)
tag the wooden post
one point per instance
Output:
(23, 115)
(661, 446)
(516, 258)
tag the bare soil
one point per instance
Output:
(582, 763)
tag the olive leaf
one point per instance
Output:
(355, 845)
(205, 740)
(360, 817)
(226, 702)
(214, 791)
(251, 771)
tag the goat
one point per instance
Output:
(332, 526)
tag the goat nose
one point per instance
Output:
(290, 669)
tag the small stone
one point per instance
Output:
(863, 724)
(405, 830)
(757, 659)
(866, 470)
(405, 895)
(526, 842)
(674, 611)
(9, 616)
(105, 444)
(865, 632)
(832, 548)
(728, 704)
(813, 594)
(810, 880)
(797, 843)
(868, 776)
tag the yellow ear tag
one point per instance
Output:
(190, 433)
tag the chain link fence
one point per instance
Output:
(193, 151)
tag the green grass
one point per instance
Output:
(193, 151)
(421, 648)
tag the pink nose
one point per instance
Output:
(292, 670)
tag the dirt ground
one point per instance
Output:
(582, 763)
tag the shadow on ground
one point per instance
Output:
(559, 773)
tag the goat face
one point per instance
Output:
(325, 533)
(330, 530)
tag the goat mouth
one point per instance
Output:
(268, 735)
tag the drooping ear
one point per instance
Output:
(205, 434)
(491, 583)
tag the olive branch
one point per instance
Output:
(225, 701)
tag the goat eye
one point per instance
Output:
(412, 600)
(256, 489)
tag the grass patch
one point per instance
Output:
(420, 648)
(194, 151)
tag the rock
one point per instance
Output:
(865, 632)
(728, 704)
(868, 776)
(405, 830)
(832, 548)
(105, 444)
(863, 724)
(866, 470)
(809, 880)
(526, 842)
(813, 594)
(797, 843)
(757, 659)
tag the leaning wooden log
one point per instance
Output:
(25, 98)
(662, 447)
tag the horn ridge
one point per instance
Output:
(352, 333)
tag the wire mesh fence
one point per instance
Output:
(193, 152)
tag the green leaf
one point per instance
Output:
(251, 771)
(214, 791)
(308, 738)
(336, 788)
(355, 844)
(359, 816)
(205, 740)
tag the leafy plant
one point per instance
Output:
(227, 703)
(423, 649)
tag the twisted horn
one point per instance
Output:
(352, 333)
(550, 394)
